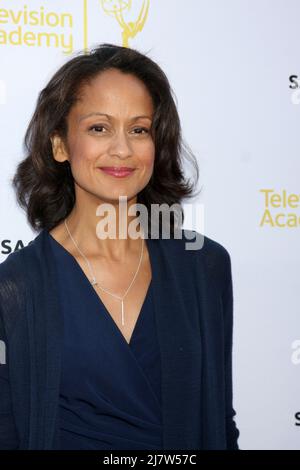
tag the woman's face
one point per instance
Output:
(110, 126)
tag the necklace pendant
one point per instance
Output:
(94, 282)
(122, 313)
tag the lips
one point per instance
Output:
(117, 171)
(117, 168)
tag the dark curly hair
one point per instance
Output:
(45, 188)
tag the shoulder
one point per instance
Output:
(12, 279)
(12, 290)
(210, 256)
(199, 246)
(214, 253)
(15, 269)
(14, 262)
(15, 275)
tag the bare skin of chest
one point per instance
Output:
(116, 278)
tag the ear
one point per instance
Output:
(59, 150)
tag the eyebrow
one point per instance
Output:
(134, 118)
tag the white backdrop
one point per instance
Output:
(229, 65)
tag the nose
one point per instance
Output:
(120, 145)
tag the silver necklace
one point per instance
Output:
(94, 280)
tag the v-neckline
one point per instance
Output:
(98, 299)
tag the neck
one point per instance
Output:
(89, 235)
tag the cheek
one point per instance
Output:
(148, 168)
(84, 151)
(149, 163)
(148, 157)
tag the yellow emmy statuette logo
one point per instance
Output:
(117, 8)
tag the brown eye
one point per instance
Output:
(141, 129)
(96, 127)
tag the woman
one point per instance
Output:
(116, 342)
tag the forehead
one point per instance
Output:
(113, 91)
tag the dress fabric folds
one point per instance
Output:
(110, 391)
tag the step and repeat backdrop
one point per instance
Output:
(234, 68)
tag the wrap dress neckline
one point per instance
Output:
(110, 389)
(106, 312)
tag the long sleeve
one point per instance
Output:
(232, 432)
(8, 432)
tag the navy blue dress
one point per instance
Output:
(110, 392)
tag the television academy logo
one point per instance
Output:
(131, 20)
(53, 26)
(280, 209)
